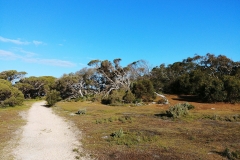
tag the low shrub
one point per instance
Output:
(189, 106)
(117, 134)
(179, 110)
(81, 111)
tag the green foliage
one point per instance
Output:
(65, 85)
(118, 97)
(33, 87)
(212, 78)
(189, 106)
(5, 91)
(9, 95)
(212, 90)
(232, 85)
(53, 97)
(12, 75)
(158, 78)
(144, 90)
(179, 110)
(128, 97)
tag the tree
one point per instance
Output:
(159, 78)
(212, 89)
(33, 87)
(138, 69)
(112, 76)
(9, 95)
(232, 86)
(12, 75)
(88, 82)
(211, 78)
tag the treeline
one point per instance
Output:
(210, 78)
(14, 87)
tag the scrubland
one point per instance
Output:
(209, 131)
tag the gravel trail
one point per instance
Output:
(46, 136)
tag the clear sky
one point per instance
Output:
(53, 37)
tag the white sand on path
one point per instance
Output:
(46, 136)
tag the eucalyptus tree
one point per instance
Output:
(138, 69)
(33, 87)
(12, 75)
(115, 82)
(112, 76)
(66, 86)
(212, 78)
(89, 82)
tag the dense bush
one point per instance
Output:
(118, 97)
(232, 85)
(143, 89)
(129, 97)
(16, 98)
(9, 95)
(52, 97)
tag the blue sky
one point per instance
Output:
(50, 37)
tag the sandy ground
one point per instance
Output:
(46, 136)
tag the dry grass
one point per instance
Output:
(10, 121)
(148, 136)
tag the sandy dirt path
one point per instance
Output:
(46, 136)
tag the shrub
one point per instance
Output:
(81, 111)
(179, 110)
(143, 89)
(96, 98)
(189, 106)
(9, 95)
(116, 96)
(117, 134)
(53, 97)
(128, 97)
